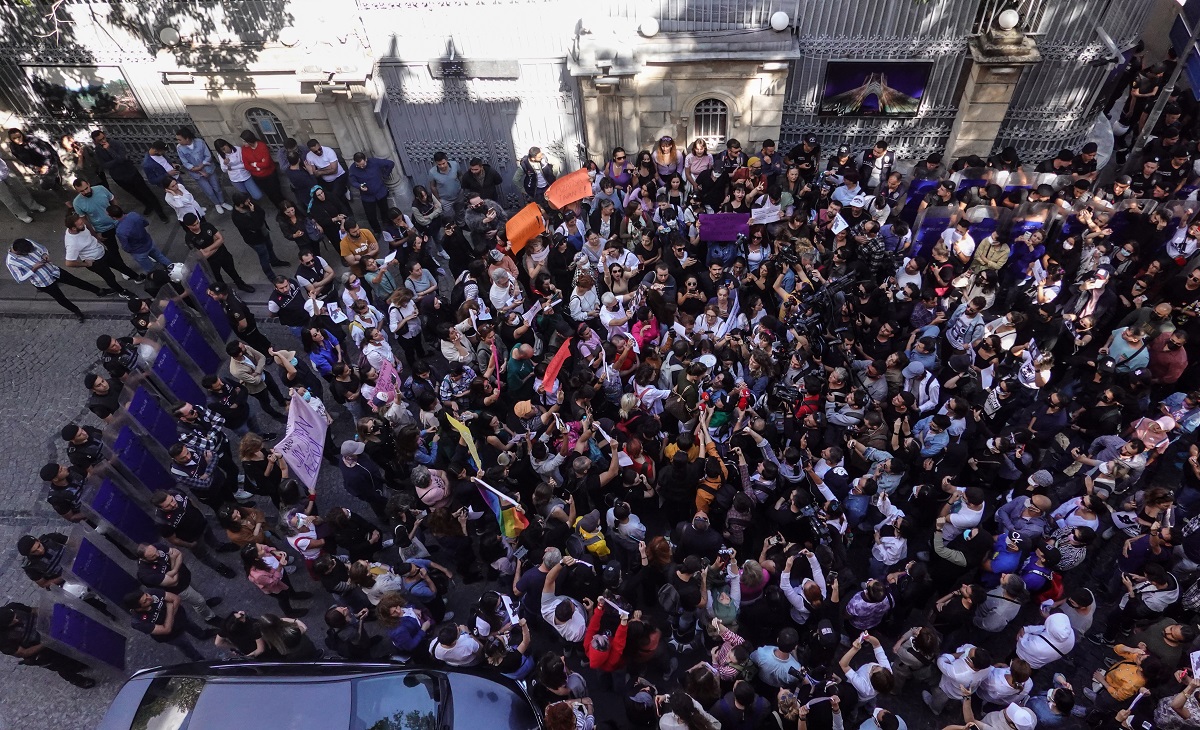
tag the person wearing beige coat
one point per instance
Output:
(249, 367)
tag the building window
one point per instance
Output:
(710, 122)
(267, 126)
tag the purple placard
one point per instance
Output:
(724, 226)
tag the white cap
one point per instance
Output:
(1022, 718)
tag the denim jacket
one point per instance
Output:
(194, 154)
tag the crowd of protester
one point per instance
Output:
(884, 441)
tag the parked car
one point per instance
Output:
(318, 696)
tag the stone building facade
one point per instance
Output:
(490, 78)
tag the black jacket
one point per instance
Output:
(252, 225)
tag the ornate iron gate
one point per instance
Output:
(497, 120)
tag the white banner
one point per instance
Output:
(305, 440)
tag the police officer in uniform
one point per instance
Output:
(84, 448)
(19, 638)
(161, 615)
(66, 491)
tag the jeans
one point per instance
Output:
(263, 252)
(270, 185)
(376, 211)
(337, 187)
(102, 269)
(856, 508)
(152, 259)
(112, 254)
(13, 190)
(56, 292)
(138, 188)
(222, 260)
(211, 185)
(249, 187)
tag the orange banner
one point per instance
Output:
(524, 227)
(569, 189)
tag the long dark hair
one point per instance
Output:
(684, 707)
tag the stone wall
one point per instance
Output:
(660, 99)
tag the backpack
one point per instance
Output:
(1053, 590)
(576, 547)
(593, 542)
(458, 294)
(668, 598)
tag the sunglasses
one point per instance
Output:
(619, 159)
(666, 140)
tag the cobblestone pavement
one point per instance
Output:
(45, 355)
(44, 361)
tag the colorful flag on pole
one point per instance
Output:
(466, 437)
(556, 363)
(509, 515)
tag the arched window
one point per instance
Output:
(710, 122)
(267, 126)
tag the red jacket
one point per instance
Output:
(258, 162)
(604, 661)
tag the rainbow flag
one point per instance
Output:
(512, 520)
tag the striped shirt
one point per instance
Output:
(21, 267)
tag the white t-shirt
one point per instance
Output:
(83, 246)
(575, 627)
(326, 158)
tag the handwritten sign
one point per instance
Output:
(723, 226)
(767, 214)
(389, 380)
(524, 226)
(305, 440)
(568, 189)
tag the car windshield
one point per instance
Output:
(190, 703)
(410, 701)
(415, 700)
(482, 703)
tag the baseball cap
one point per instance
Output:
(858, 201)
(1021, 718)
(523, 408)
(1101, 273)
(843, 149)
(590, 521)
(25, 544)
(1124, 179)
(810, 138)
(352, 448)
(913, 370)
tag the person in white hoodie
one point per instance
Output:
(965, 669)
(1049, 642)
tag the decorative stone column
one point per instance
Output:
(999, 56)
